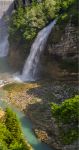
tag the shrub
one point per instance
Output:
(67, 115)
(68, 111)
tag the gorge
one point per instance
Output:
(6, 73)
(5, 70)
(39, 70)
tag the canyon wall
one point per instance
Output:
(61, 53)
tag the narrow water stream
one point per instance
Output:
(6, 7)
(26, 126)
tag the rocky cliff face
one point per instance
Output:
(64, 42)
(18, 52)
(61, 53)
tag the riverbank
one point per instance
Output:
(34, 99)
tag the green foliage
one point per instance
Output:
(12, 124)
(30, 20)
(3, 146)
(18, 146)
(67, 114)
(5, 136)
(68, 9)
(63, 19)
(50, 8)
(10, 133)
(68, 111)
(65, 4)
(27, 21)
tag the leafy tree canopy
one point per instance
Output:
(29, 20)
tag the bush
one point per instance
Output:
(68, 111)
(67, 115)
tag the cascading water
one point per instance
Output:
(5, 11)
(4, 44)
(6, 7)
(31, 65)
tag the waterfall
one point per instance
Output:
(5, 12)
(31, 64)
(4, 44)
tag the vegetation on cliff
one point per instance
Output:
(10, 133)
(67, 115)
(27, 21)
